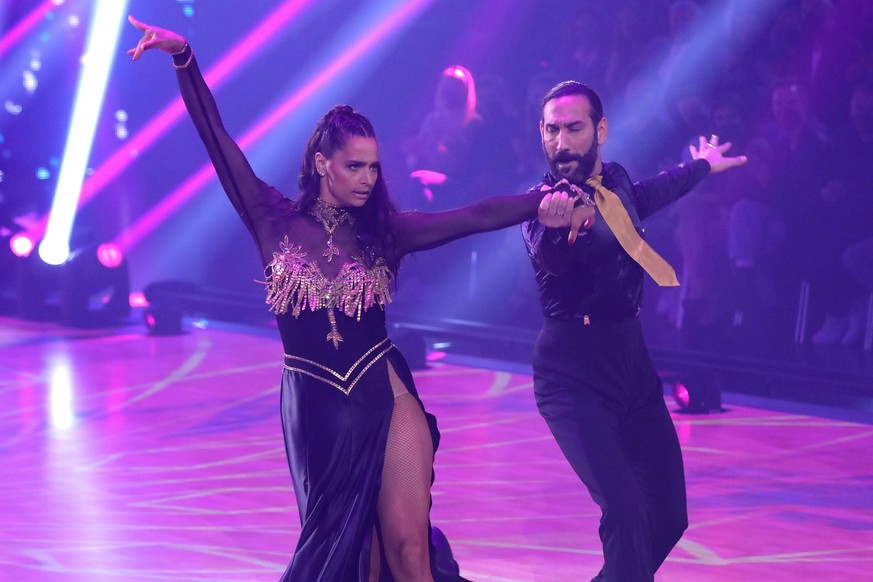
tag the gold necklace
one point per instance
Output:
(330, 217)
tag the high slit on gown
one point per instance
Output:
(335, 441)
(336, 398)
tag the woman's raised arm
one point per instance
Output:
(245, 191)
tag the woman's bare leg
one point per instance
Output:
(404, 498)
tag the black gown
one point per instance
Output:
(336, 397)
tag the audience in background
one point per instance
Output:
(797, 77)
(846, 218)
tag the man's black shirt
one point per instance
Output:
(595, 276)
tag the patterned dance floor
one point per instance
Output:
(130, 457)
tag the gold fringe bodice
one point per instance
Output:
(295, 284)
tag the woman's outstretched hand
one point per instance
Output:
(558, 209)
(155, 38)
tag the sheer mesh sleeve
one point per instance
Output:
(416, 231)
(253, 199)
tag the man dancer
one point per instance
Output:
(594, 381)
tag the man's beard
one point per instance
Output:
(584, 165)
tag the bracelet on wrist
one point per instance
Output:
(181, 54)
(583, 200)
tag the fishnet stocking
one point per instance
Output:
(404, 498)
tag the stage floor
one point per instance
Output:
(130, 457)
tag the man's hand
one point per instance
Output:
(155, 38)
(557, 210)
(713, 153)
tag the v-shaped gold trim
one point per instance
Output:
(341, 377)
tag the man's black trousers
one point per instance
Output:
(598, 391)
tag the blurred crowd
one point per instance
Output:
(788, 83)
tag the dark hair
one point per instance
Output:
(330, 136)
(565, 88)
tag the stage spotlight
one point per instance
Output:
(21, 244)
(107, 22)
(168, 301)
(95, 287)
(109, 255)
(698, 394)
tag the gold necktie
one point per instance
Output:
(618, 221)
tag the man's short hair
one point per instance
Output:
(565, 88)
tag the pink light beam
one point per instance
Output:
(25, 25)
(154, 217)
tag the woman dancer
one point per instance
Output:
(359, 444)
